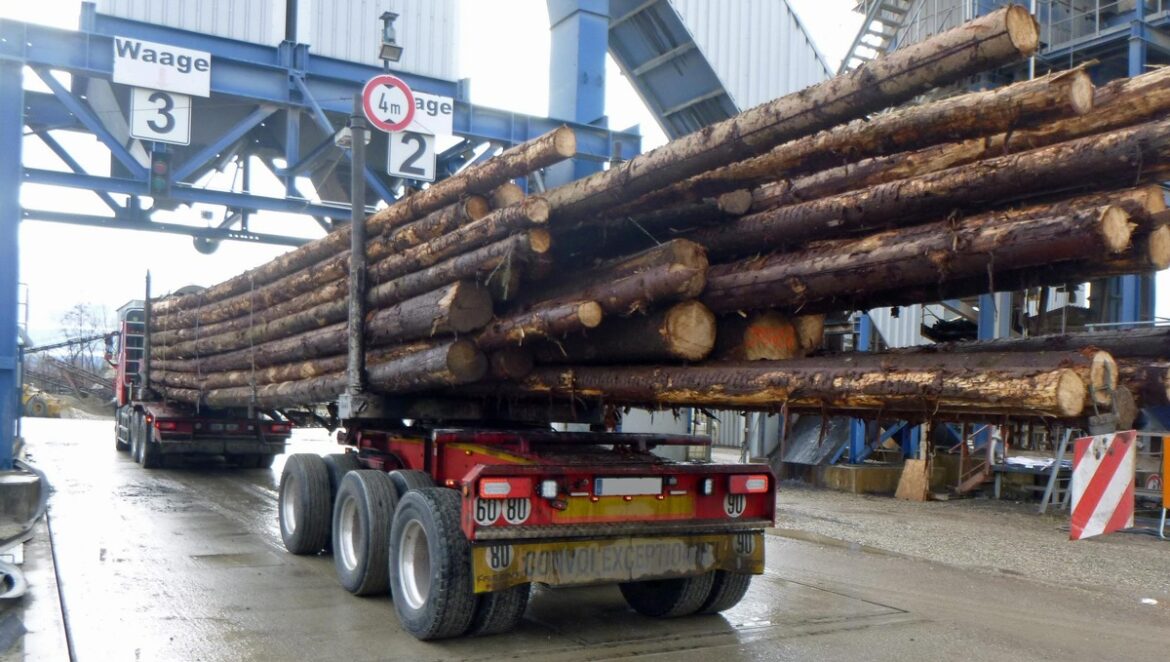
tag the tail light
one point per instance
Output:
(279, 428)
(749, 484)
(167, 426)
(505, 488)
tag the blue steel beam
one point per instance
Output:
(1131, 286)
(579, 44)
(226, 140)
(858, 446)
(142, 222)
(186, 194)
(11, 114)
(65, 156)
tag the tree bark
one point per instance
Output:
(997, 38)
(450, 310)
(873, 385)
(1148, 381)
(541, 321)
(511, 362)
(913, 257)
(1149, 343)
(449, 364)
(674, 271)
(553, 147)
(1008, 108)
(506, 195)
(682, 332)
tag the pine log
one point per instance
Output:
(997, 38)
(1008, 108)
(506, 195)
(454, 363)
(674, 271)
(1119, 104)
(541, 321)
(1148, 381)
(764, 336)
(511, 362)
(450, 310)
(1092, 163)
(682, 332)
(810, 331)
(1148, 343)
(482, 264)
(823, 385)
(913, 257)
(518, 161)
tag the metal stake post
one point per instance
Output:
(356, 365)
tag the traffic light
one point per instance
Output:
(160, 174)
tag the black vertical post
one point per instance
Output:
(356, 364)
(144, 366)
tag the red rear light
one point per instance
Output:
(749, 484)
(505, 488)
(279, 428)
(167, 425)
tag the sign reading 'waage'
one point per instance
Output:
(162, 67)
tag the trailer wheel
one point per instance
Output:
(406, 480)
(668, 598)
(499, 611)
(727, 590)
(430, 565)
(339, 464)
(361, 528)
(151, 454)
(304, 506)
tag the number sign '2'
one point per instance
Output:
(160, 116)
(411, 155)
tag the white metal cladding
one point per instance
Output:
(256, 21)
(758, 48)
(905, 330)
(427, 30)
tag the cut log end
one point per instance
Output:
(470, 306)
(476, 207)
(590, 314)
(1103, 376)
(1155, 201)
(689, 331)
(506, 195)
(736, 203)
(565, 142)
(1158, 248)
(513, 363)
(1022, 29)
(1070, 393)
(465, 362)
(1080, 92)
(539, 241)
(1115, 228)
(536, 209)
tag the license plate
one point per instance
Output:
(500, 566)
(627, 486)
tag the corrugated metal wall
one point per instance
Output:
(350, 30)
(737, 37)
(257, 21)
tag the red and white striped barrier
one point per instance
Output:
(1102, 484)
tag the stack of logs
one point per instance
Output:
(697, 274)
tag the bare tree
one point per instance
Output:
(82, 320)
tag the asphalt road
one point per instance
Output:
(187, 564)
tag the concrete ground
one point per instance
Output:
(187, 564)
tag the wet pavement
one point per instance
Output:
(187, 564)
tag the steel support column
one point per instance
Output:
(1130, 288)
(857, 427)
(580, 41)
(11, 131)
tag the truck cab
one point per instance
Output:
(153, 429)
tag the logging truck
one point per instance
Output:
(152, 429)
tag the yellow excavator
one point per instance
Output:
(39, 404)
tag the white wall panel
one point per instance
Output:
(758, 48)
(256, 21)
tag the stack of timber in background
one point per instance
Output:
(697, 274)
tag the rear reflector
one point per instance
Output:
(505, 488)
(749, 484)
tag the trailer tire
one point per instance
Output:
(339, 464)
(304, 506)
(406, 480)
(499, 611)
(152, 457)
(362, 516)
(430, 565)
(668, 598)
(727, 590)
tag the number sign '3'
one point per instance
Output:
(411, 155)
(160, 116)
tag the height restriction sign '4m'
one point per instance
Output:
(388, 103)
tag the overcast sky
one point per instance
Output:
(501, 40)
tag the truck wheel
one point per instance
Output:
(339, 464)
(119, 422)
(36, 407)
(135, 437)
(304, 504)
(406, 480)
(151, 455)
(726, 591)
(361, 528)
(668, 598)
(430, 565)
(499, 611)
